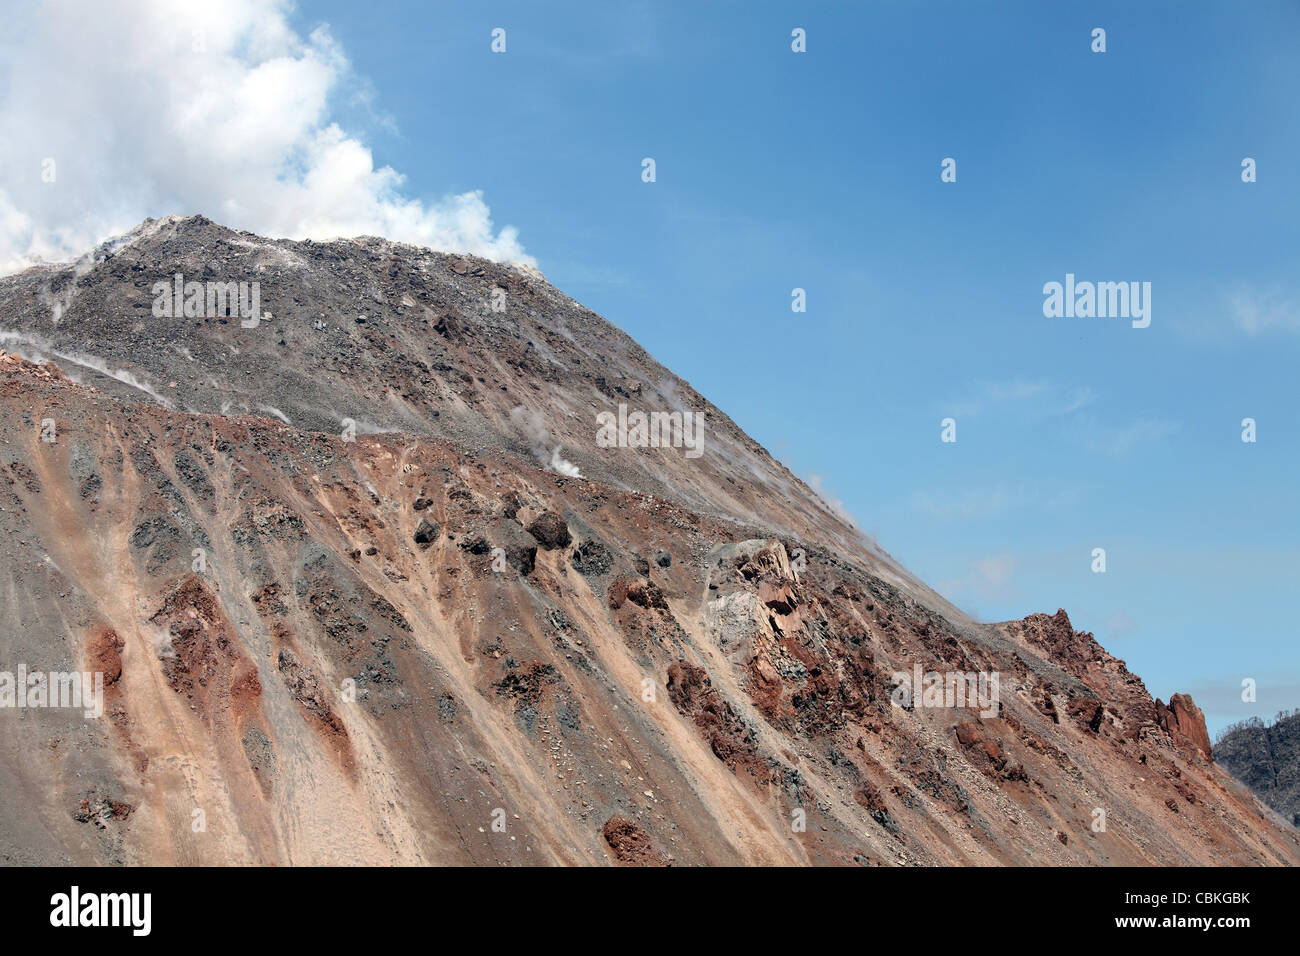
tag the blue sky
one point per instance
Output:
(820, 170)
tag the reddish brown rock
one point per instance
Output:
(1183, 721)
(104, 654)
(631, 844)
(692, 692)
(778, 597)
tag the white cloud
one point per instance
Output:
(150, 108)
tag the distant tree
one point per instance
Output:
(1232, 730)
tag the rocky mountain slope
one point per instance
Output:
(365, 588)
(1266, 757)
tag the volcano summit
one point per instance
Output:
(346, 610)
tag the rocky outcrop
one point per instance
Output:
(630, 844)
(1183, 721)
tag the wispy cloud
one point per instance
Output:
(1116, 625)
(1257, 312)
(983, 581)
(1035, 399)
(973, 502)
(1117, 441)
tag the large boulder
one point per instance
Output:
(520, 548)
(427, 533)
(550, 531)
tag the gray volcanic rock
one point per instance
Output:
(550, 531)
(426, 533)
(379, 336)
